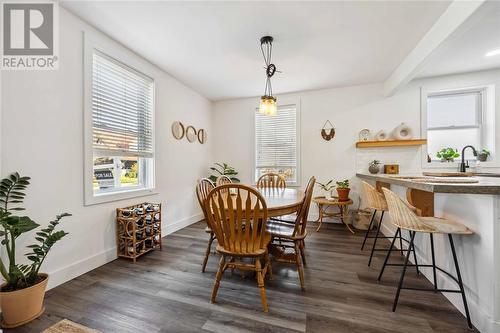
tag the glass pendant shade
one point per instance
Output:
(268, 105)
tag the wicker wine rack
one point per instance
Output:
(138, 230)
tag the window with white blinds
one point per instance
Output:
(276, 147)
(122, 109)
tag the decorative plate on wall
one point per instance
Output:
(202, 136)
(178, 130)
(191, 133)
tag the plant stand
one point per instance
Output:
(323, 205)
(138, 230)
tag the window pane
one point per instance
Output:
(290, 174)
(122, 104)
(452, 110)
(453, 138)
(276, 143)
(129, 172)
(113, 174)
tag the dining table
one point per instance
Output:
(282, 202)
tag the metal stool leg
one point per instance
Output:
(369, 228)
(412, 236)
(376, 238)
(460, 283)
(398, 232)
(415, 258)
(433, 261)
(401, 244)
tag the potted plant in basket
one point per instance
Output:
(223, 169)
(483, 155)
(343, 190)
(447, 154)
(22, 293)
(327, 188)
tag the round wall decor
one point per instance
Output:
(202, 136)
(191, 133)
(178, 130)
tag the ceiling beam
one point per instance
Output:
(454, 16)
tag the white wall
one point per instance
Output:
(42, 137)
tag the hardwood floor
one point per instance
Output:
(166, 292)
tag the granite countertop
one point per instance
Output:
(484, 185)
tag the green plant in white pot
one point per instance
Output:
(22, 293)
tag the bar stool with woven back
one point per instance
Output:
(204, 187)
(238, 215)
(288, 239)
(377, 202)
(405, 219)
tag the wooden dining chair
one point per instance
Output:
(288, 240)
(204, 187)
(404, 218)
(270, 181)
(221, 180)
(239, 223)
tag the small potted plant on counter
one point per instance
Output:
(22, 293)
(374, 167)
(448, 154)
(327, 188)
(483, 155)
(343, 190)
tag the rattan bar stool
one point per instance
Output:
(404, 219)
(377, 202)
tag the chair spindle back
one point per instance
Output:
(239, 219)
(270, 181)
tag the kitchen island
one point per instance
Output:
(475, 202)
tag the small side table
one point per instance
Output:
(323, 205)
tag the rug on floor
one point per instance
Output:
(67, 326)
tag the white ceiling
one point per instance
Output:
(214, 47)
(465, 50)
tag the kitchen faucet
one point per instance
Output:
(462, 165)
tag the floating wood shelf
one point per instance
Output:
(390, 143)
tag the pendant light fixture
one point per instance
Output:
(268, 104)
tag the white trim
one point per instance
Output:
(185, 222)
(93, 42)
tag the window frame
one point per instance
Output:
(284, 102)
(92, 42)
(482, 108)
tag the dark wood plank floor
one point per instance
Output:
(166, 292)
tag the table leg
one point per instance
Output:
(320, 218)
(342, 210)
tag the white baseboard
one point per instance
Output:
(83, 266)
(173, 227)
(480, 319)
(78, 268)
